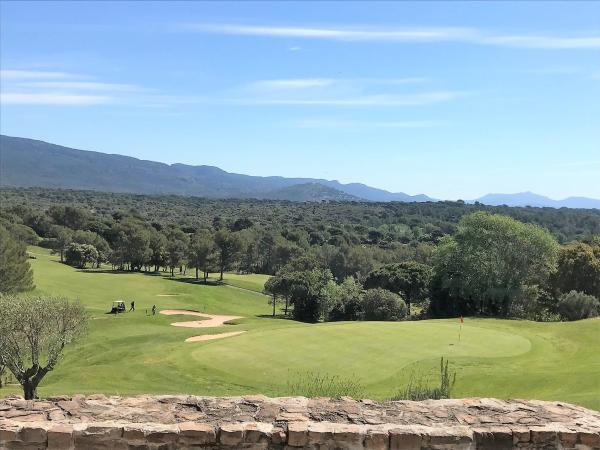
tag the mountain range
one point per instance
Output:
(28, 162)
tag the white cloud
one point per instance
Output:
(48, 98)
(418, 99)
(297, 83)
(82, 85)
(434, 34)
(360, 124)
(29, 87)
(31, 75)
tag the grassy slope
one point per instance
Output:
(135, 353)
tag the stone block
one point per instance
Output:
(197, 433)
(165, 434)
(231, 434)
(320, 433)
(257, 432)
(590, 439)
(9, 433)
(405, 439)
(493, 439)
(133, 434)
(377, 439)
(349, 436)
(33, 433)
(60, 437)
(297, 435)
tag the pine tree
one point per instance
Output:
(15, 271)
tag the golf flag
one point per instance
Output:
(460, 326)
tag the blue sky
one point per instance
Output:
(454, 100)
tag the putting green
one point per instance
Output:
(137, 352)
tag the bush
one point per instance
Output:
(577, 305)
(380, 304)
(314, 384)
(418, 387)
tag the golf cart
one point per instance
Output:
(118, 307)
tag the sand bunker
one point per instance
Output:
(210, 337)
(211, 321)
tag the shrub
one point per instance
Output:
(314, 384)
(380, 304)
(577, 305)
(418, 387)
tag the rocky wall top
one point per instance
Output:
(259, 422)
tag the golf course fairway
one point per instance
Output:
(138, 352)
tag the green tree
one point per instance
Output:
(15, 271)
(347, 301)
(200, 251)
(579, 268)
(577, 305)
(228, 246)
(489, 260)
(382, 304)
(409, 279)
(63, 236)
(33, 334)
(177, 245)
(79, 255)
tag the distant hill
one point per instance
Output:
(27, 163)
(531, 199)
(32, 163)
(310, 192)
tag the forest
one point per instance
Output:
(334, 260)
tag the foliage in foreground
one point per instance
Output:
(15, 271)
(577, 305)
(315, 384)
(33, 334)
(419, 387)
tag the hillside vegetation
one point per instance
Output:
(139, 353)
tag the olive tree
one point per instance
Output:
(33, 334)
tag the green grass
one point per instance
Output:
(135, 353)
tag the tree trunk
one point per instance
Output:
(196, 274)
(222, 268)
(286, 305)
(62, 250)
(29, 390)
(205, 276)
(273, 306)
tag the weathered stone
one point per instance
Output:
(297, 435)
(377, 439)
(32, 433)
(590, 439)
(493, 439)
(231, 434)
(163, 435)
(9, 433)
(197, 433)
(258, 422)
(256, 432)
(60, 437)
(405, 439)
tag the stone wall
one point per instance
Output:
(257, 422)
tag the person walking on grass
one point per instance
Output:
(132, 308)
(153, 310)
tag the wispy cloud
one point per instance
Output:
(329, 123)
(47, 98)
(338, 92)
(32, 75)
(423, 35)
(30, 87)
(418, 99)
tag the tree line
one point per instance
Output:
(485, 264)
